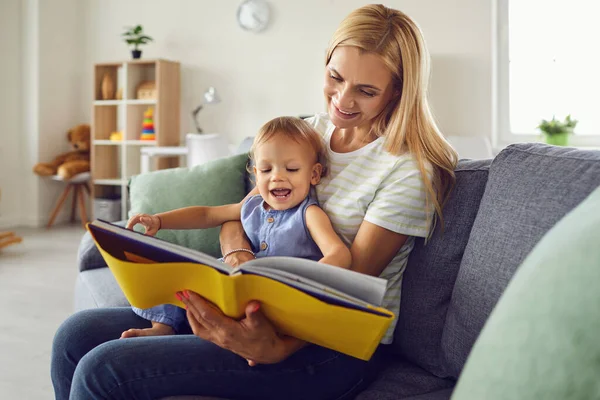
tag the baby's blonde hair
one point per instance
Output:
(296, 129)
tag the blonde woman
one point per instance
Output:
(390, 173)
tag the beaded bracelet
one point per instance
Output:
(236, 251)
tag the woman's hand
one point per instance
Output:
(253, 337)
(151, 223)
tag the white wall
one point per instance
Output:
(41, 80)
(280, 71)
(61, 77)
(259, 76)
(10, 123)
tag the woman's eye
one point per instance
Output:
(368, 94)
(335, 78)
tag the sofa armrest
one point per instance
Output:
(88, 255)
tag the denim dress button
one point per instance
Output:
(263, 246)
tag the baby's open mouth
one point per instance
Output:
(281, 193)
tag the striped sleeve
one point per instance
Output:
(399, 203)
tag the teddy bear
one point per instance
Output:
(74, 162)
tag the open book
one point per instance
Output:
(322, 304)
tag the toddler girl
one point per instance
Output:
(281, 216)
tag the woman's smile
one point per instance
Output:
(344, 114)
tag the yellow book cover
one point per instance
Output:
(322, 304)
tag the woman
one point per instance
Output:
(390, 170)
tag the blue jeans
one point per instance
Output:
(89, 361)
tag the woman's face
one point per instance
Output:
(358, 86)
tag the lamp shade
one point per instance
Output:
(211, 96)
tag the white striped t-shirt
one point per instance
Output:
(373, 185)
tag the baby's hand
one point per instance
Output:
(151, 223)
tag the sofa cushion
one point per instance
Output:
(403, 380)
(215, 183)
(431, 271)
(541, 341)
(244, 147)
(97, 288)
(530, 187)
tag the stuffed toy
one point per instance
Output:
(74, 162)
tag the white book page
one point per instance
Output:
(364, 287)
(315, 289)
(280, 275)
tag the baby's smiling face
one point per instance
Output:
(285, 170)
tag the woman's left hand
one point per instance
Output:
(254, 337)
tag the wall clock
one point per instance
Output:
(253, 15)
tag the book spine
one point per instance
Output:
(229, 299)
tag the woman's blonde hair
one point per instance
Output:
(296, 129)
(407, 122)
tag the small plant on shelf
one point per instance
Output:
(134, 36)
(557, 132)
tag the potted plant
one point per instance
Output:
(135, 36)
(557, 132)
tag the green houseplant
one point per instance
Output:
(557, 132)
(134, 36)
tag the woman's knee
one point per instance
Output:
(96, 373)
(69, 333)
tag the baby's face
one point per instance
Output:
(285, 170)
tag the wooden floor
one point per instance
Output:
(37, 280)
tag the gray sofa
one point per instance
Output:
(497, 212)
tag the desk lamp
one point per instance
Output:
(210, 97)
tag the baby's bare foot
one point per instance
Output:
(157, 329)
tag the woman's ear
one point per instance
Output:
(315, 176)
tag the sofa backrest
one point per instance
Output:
(530, 187)
(432, 269)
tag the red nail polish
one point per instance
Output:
(186, 294)
(256, 307)
(178, 296)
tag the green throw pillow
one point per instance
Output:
(542, 339)
(215, 183)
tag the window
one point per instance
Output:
(548, 65)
